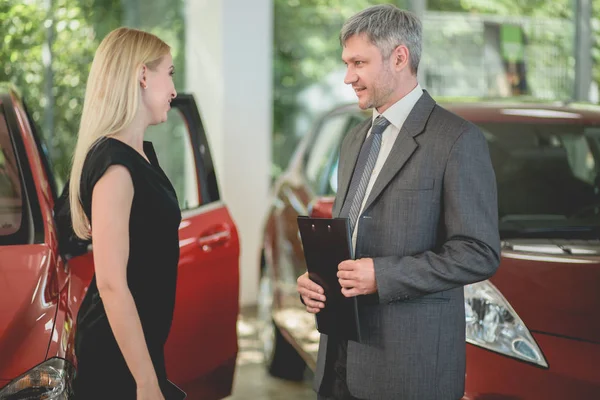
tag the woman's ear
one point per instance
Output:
(142, 77)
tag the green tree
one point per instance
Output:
(56, 44)
(47, 49)
(22, 33)
(548, 31)
(306, 49)
(73, 47)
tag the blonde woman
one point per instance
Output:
(120, 197)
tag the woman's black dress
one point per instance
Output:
(151, 273)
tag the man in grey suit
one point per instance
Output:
(418, 186)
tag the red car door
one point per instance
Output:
(202, 346)
(28, 252)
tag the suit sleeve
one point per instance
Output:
(471, 248)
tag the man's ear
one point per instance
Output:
(401, 57)
(142, 76)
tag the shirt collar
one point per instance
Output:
(399, 111)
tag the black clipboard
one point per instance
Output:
(327, 242)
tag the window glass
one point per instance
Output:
(544, 172)
(323, 151)
(11, 200)
(173, 147)
(332, 173)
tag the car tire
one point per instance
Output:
(280, 357)
(285, 362)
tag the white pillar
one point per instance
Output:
(229, 71)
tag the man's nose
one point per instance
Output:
(350, 77)
(174, 94)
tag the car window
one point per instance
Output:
(544, 171)
(581, 157)
(175, 154)
(42, 146)
(209, 188)
(11, 199)
(330, 175)
(323, 151)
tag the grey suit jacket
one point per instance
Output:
(430, 224)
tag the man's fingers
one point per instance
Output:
(347, 283)
(312, 294)
(350, 292)
(347, 265)
(316, 288)
(313, 304)
(305, 281)
(346, 274)
(308, 294)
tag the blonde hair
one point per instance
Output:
(111, 101)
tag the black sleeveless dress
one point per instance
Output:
(151, 273)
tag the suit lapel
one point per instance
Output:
(404, 146)
(348, 157)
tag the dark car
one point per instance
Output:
(532, 330)
(44, 272)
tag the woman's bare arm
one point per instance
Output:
(111, 207)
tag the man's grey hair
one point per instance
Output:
(387, 27)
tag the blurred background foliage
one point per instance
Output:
(307, 50)
(48, 45)
(47, 49)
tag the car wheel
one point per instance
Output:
(280, 357)
(285, 362)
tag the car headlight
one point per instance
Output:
(51, 380)
(493, 324)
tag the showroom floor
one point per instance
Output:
(251, 380)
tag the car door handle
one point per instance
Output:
(214, 238)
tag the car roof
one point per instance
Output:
(508, 111)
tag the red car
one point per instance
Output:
(533, 330)
(44, 272)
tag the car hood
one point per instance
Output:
(553, 285)
(26, 312)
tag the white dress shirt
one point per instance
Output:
(396, 114)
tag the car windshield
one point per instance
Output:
(11, 202)
(547, 178)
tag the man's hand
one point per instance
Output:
(312, 294)
(357, 277)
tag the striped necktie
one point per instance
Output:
(363, 170)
